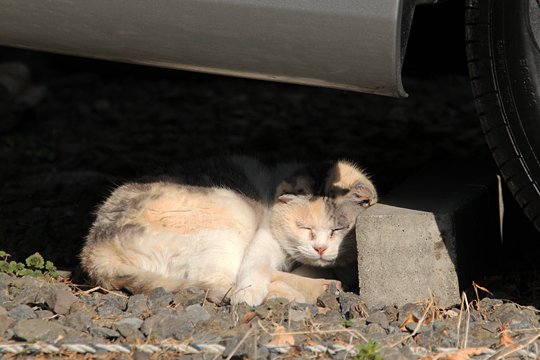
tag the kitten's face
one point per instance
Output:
(315, 226)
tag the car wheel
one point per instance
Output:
(503, 51)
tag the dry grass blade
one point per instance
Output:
(508, 351)
(476, 287)
(464, 303)
(504, 338)
(420, 322)
(281, 338)
(99, 288)
(410, 319)
(461, 354)
(353, 332)
(250, 331)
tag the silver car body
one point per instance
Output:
(355, 45)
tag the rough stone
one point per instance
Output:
(26, 290)
(410, 309)
(109, 311)
(79, 320)
(329, 300)
(480, 336)
(159, 298)
(189, 296)
(114, 300)
(163, 326)
(378, 317)
(298, 315)
(104, 332)
(93, 300)
(5, 323)
(391, 312)
(60, 300)
(351, 305)
(418, 241)
(374, 329)
(231, 344)
(44, 314)
(5, 280)
(392, 354)
(129, 328)
(137, 304)
(196, 313)
(22, 312)
(38, 329)
(83, 307)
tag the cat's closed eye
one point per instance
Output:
(334, 230)
(301, 225)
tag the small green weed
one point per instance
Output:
(346, 323)
(34, 266)
(369, 351)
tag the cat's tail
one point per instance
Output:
(111, 272)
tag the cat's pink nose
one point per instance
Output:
(320, 248)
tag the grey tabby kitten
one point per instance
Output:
(232, 226)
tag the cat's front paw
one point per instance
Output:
(250, 295)
(317, 287)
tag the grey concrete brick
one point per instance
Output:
(435, 232)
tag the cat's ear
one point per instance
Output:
(286, 198)
(290, 189)
(362, 194)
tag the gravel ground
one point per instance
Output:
(79, 127)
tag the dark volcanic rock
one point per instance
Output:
(378, 317)
(129, 328)
(137, 304)
(38, 329)
(196, 313)
(22, 312)
(162, 326)
(189, 296)
(79, 320)
(109, 311)
(159, 298)
(60, 300)
(114, 300)
(104, 332)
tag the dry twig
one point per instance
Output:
(420, 322)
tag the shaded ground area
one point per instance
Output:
(97, 124)
(101, 123)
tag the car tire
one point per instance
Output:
(503, 52)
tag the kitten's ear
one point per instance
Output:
(362, 194)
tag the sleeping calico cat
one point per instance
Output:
(232, 226)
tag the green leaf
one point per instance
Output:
(49, 266)
(24, 272)
(35, 261)
(4, 266)
(12, 267)
(369, 351)
(3, 253)
(36, 273)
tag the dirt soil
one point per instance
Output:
(78, 128)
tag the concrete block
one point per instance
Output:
(435, 232)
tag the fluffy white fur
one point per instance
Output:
(166, 233)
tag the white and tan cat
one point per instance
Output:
(232, 226)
